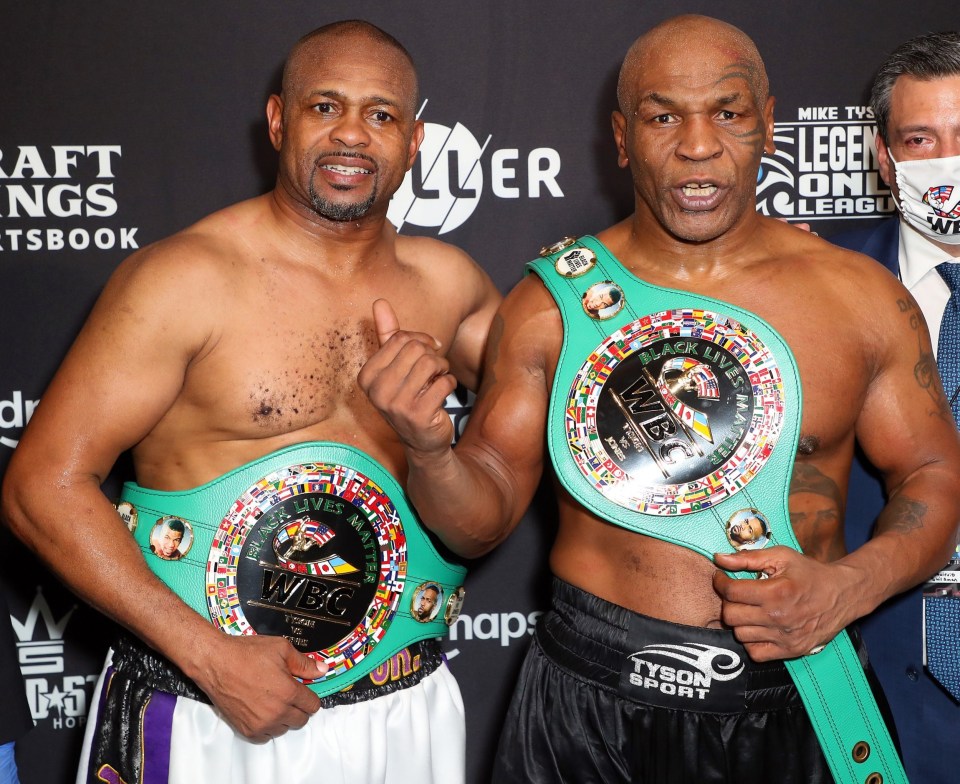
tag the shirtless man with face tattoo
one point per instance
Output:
(695, 118)
(226, 358)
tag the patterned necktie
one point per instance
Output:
(941, 599)
(948, 345)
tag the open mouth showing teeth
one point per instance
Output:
(705, 189)
(344, 169)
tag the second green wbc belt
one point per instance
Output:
(315, 543)
(677, 416)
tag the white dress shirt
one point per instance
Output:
(918, 259)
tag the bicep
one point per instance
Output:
(118, 379)
(467, 352)
(505, 433)
(905, 423)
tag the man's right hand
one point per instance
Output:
(251, 680)
(407, 380)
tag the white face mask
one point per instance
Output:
(930, 196)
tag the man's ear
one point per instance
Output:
(884, 162)
(769, 146)
(416, 139)
(275, 120)
(619, 123)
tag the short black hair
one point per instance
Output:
(175, 525)
(926, 57)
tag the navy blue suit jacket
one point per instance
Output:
(928, 720)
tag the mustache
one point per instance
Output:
(319, 160)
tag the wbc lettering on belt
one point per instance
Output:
(314, 553)
(674, 411)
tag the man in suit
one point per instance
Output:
(916, 103)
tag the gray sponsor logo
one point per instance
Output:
(698, 667)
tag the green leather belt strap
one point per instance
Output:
(317, 543)
(705, 398)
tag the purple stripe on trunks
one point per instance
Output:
(102, 697)
(157, 726)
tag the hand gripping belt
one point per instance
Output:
(669, 332)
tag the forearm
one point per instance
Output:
(93, 553)
(915, 535)
(468, 498)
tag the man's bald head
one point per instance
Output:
(685, 37)
(347, 36)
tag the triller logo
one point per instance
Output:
(704, 665)
(445, 183)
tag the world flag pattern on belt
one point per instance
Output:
(728, 466)
(367, 499)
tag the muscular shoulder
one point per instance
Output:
(439, 261)
(448, 275)
(824, 269)
(848, 289)
(196, 261)
(531, 325)
(178, 285)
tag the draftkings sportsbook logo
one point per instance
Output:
(54, 697)
(61, 197)
(445, 184)
(825, 167)
(15, 412)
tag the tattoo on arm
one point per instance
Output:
(902, 515)
(925, 369)
(816, 509)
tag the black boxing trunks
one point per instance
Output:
(608, 695)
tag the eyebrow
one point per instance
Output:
(914, 129)
(662, 100)
(656, 98)
(339, 96)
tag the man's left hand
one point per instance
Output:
(796, 608)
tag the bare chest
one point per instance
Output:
(280, 372)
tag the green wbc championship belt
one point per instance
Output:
(677, 416)
(316, 543)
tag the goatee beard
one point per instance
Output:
(338, 212)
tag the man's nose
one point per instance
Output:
(699, 138)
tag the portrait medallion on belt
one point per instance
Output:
(315, 553)
(675, 411)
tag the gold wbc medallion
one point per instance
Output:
(128, 513)
(454, 605)
(603, 300)
(576, 262)
(548, 250)
(748, 529)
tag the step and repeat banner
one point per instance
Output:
(125, 122)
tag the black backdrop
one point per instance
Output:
(123, 122)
